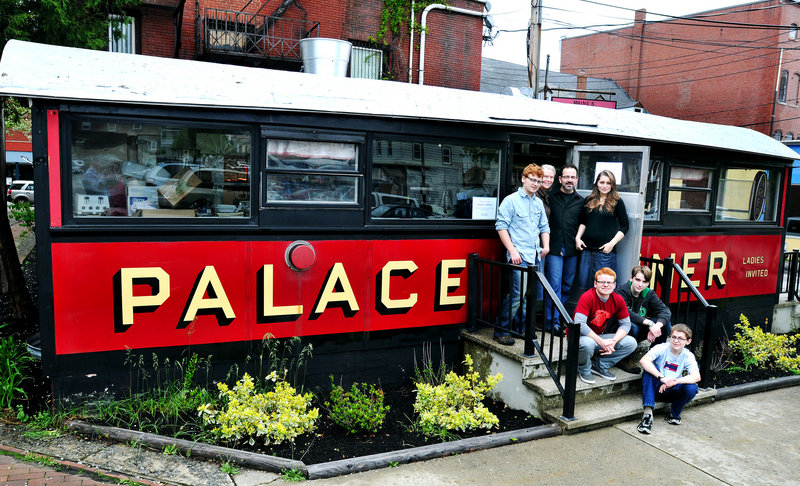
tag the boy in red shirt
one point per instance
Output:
(596, 308)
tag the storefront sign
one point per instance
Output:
(577, 101)
(722, 266)
(155, 294)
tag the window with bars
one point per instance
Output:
(366, 63)
(122, 34)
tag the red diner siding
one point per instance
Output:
(454, 40)
(18, 142)
(702, 79)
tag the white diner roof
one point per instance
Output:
(30, 70)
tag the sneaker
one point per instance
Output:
(505, 340)
(603, 373)
(671, 419)
(587, 378)
(646, 425)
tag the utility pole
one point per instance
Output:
(534, 45)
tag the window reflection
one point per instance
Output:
(747, 195)
(689, 189)
(311, 172)
(145, 170)
(433, 180)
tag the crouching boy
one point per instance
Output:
(664, 379)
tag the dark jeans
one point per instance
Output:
(514, 304)
(591, 262)
(678, 395)
(560, 272)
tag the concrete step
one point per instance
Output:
(546, 388)
(612, 410)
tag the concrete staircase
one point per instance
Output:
(527, 385)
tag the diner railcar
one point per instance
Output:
(195, 205)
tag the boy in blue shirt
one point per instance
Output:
(664, 378)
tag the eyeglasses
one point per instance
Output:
(534, 181)
(600, 282)
(678, 338)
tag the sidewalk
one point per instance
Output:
(746, 440)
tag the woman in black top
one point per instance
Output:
(603, 224)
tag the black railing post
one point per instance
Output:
(531, 284)
(793, 278)
(666, 281)
(708, 345)
(474, 296)
(571, 376)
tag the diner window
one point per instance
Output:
(747, 194)
(311, 172)
(689, 189)
(447, 181)
(134, 170)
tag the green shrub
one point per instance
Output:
(14, 364)
(23, 213)
(761, 349)
(359, 410)
(275, 416)
(456, 404)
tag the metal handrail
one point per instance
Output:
(482, 290)
(792, 276)
(254, 35)
(664, 270)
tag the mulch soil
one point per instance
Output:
(330, 442)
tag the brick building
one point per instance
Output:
(736, 66)
(267, 34)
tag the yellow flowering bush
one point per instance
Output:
(763, 349)
(456, 404)
(275, 416)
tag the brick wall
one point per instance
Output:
(453, 51)
(689, 70)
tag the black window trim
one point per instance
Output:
(70, 220)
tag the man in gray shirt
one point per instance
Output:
(521, 224)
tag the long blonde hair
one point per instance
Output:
(593, 201)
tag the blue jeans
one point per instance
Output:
(591, 262)
(588, 347)
(678, 396)
(513, 311)
(560, 272)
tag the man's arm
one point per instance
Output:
(545, 244)
(656, 310)
(505, 238)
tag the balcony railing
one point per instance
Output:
(250, 35)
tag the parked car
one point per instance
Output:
(400, 211)
(792, 234)
(20, 191)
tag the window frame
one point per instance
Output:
(294, 214)
(419, 142)
(710, 190)
(67, 190)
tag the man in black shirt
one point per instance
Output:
(562, 261)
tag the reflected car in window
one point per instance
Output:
(20, 191)
(400, 211)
